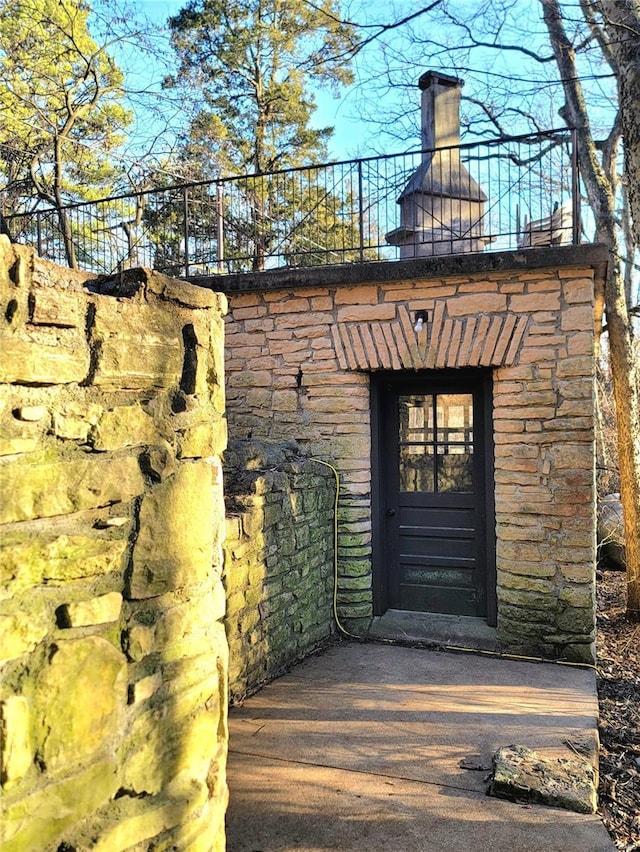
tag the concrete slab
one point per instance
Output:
(435, 630)
(378, 747)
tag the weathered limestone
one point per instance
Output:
(278, 559)
(113, 656)
(521, 774)
(17, 751)
(174, 546)
(298, 365)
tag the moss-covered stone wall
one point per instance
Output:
(278, 559)
(113, 655)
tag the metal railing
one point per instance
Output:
(317, 215)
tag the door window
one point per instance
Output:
(435, 442)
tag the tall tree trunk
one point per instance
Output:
(622, 26)
(601, 195)
(63, 219)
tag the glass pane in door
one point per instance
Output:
(454, 434)
(416, 442)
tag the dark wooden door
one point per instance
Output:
(433, 452)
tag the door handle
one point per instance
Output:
(390, 513)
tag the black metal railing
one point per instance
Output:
(341, 212)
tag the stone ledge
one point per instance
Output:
(348, 274)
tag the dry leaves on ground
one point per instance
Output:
(619, 700)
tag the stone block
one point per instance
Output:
(576, 366)
(284, 400)
(141, 821)
(20, 635)
(203, 440)
(29, 558)
(174, 547)
(576, 620)
(134, 364)
(100, 610)
(524, 583)
(579, 596)
(35, 821)
(15, 740)
(475, 304)
(580, 652)
(360, 610)
(166, 742)
(74, 420)
(124, 426)
(57, 307)
(28, 362)
(127, 360)
(186, 629)
(251, 379)
(520, 633)
(562, 782)
(289, 305)
(79, 700)
(183, 293)
(63, 487)
(140, 641)
(144, 688)
(527, 599)
(579, 291)
(542, 619)
(355, 567)
(258, 398)
(527, 551)
(535, 302)
(362, 295)
(581, 344)
(31, 413)
(579, 573)
(14, 442)
(538, 570)
(367, 313)
(577, 318)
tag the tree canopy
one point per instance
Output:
(255, 64)
(61, 102)
(61, 99)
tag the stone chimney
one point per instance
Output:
(442, 206)
(440, 110)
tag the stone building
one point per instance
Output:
(452, 392)
(455, 397)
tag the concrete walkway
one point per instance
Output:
(371, 747)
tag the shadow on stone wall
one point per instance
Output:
(278, 559)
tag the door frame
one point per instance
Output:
(380, 384)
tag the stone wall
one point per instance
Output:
(113, 670)
(300, 353)
(278, 559)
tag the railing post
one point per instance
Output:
(575, 187)
(220, 227)
(360, 211)
(39, 232)
(185, 228)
